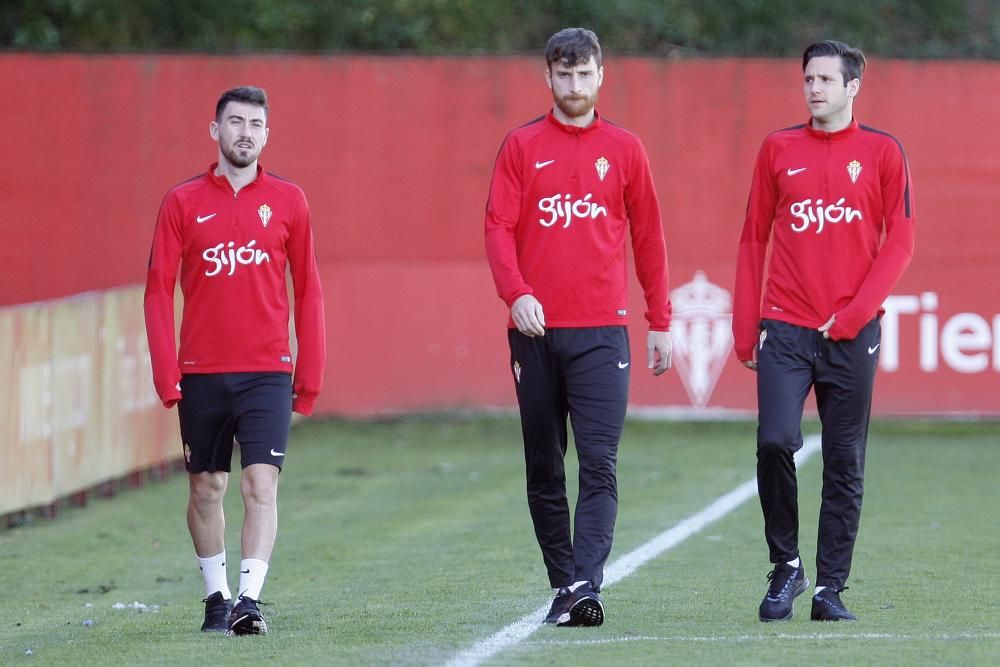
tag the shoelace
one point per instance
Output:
(773, 590)
(256, 602)
(222, 600)
(835, 600)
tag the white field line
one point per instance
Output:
(812, 636)
(524, 627)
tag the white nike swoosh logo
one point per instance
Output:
(539, 165)
(792, 172)
(274, 453)
(871, 350)
(206, 218)
(623, 364)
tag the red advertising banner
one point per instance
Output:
(940, 352)
(395, 156)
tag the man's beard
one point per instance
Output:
(576, 105)
(240, 157)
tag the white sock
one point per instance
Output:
(796, 562)
(577, 585)
(818, 589)
(252, 573)
(213, 569)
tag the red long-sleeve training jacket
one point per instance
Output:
(839, 209)
(561, 200)
(232, 250)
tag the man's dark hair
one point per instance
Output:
(852, 61)
(245, 94)
(572, 46)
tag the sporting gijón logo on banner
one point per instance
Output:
(702, 335)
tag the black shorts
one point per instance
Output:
(253, 408)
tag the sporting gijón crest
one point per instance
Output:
(702, 335)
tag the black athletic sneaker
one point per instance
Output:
(585, 609)
(787, 583)
(560, 606)
(246, 618)
(217, 610)
(828, 607)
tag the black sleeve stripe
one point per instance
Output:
(503, 143)
(619, 126)
(280, 178)
(906, 191)
(186, 180)
(497, 158)
(800, 126)
(614, 124)
(532, 121)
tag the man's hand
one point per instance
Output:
(825, 329)
(528, 316)
(750, 363)
(659, 348)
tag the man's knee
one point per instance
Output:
(598, 467)
(778, 441)
(259, 484)
(208, 487)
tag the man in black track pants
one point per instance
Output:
(567, 188)
(834, 199)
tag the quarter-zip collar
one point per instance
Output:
(223, 182)
(839, 135)
(574, 129)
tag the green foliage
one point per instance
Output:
(406, 542)
(902, 28)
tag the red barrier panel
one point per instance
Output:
(395, 155)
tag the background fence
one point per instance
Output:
(395, 155)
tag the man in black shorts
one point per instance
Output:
(233, 231)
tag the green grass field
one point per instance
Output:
(408, 542)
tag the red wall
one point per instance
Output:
(395, 155)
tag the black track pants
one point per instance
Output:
(790, 361)
(583, 374)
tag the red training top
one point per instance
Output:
(826, 198)
(233, 249)
(561, 200)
